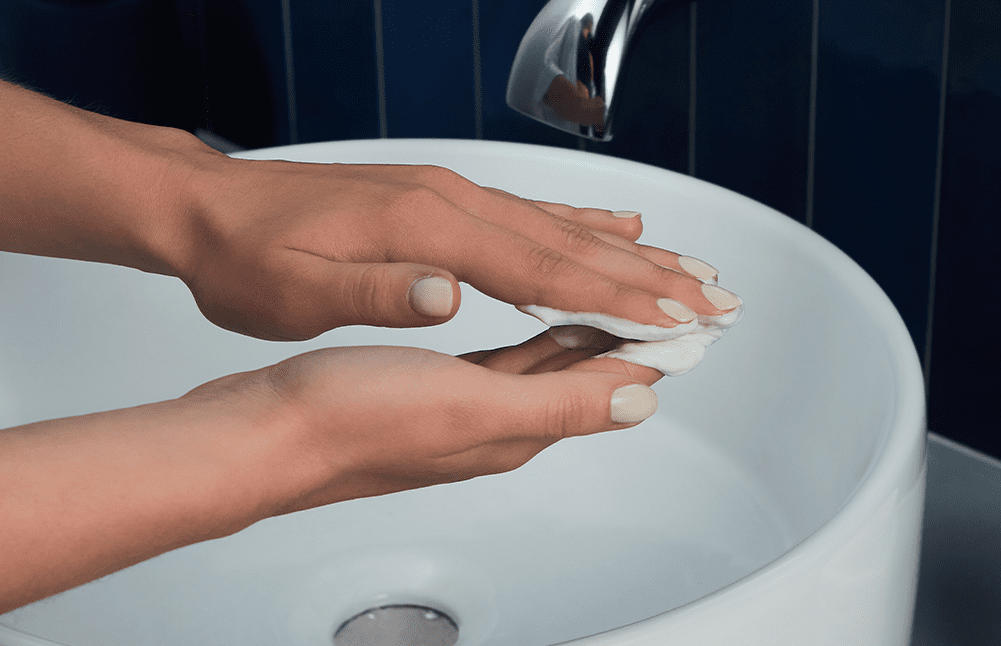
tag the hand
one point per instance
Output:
(287, 251)
(366, 421)
(573, 102)
(284, 250)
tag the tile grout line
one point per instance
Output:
(692, 25)
(380, 68)
(293, 125)
(477, 72)
(811, 151)
(937, 199)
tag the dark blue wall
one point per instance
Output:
(866, 156)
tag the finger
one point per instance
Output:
(686, 264)
(478, 356)
(388, 294)
(569, 344)
(568, 361)
(511, 268)
(558, 263)
(622, 229)
(633, 371)
(568, 403)
(626, 224)
(565, 344)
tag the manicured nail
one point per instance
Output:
(677, 311)
(720, 298)
(633, 403)
(625, 214)
(697, 268)
(572, 336)
(431, 296)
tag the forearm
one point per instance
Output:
(82, 497)
(75, 184)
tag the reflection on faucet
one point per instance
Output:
(570, 95)
(565, 70)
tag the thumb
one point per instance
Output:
(570, 403)
(391, 294)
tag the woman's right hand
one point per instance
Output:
(345, 423)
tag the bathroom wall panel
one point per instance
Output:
(125, 59)
(501, 27)
(239, 68)
(965, 389)
(429, 68)
(336, 87)
(264, 33)
(651, 120)
(879, 78)
(752, 99)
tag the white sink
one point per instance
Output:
(775, 498)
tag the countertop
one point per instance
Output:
(959, 586)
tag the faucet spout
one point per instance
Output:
(567, 67)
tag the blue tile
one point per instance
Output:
(125, 59)
(429, 68)
(753, 99)
(650, 123)
(336, 85)
(966, 363)
(263, 24)
(502, 25)
(878, 95)
(243, 96)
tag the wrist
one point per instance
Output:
(84, 186)
(255, 437)
(166, 231)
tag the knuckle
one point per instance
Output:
(438, 179)
(547, 262)
(436, 174)
(366, 292)
(567, 414)
(577, 238)
(417, 198)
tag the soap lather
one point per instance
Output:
(673, 351)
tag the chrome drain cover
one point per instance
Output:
(398, 626)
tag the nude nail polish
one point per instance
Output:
(431, 296)
(633, 403)
(625, 214)
(572, 336)
(697, 268)
(678, 311)
(720, 298)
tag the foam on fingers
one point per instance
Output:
(673, 351)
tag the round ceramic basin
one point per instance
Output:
(775, 498)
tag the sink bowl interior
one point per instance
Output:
(748, 455)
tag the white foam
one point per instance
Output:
(673, 351)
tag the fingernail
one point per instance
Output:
(625, 214)
(572, 336)
(633, 403)
(720, 298)
(697, 268)
(677, 311)
(431, 296)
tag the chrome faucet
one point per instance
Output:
(569, 61)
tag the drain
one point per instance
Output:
(398, 626)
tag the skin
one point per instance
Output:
(573, 102)
(287, 251)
